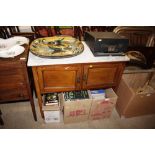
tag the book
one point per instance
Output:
(98, 94)
(51, 99)
(74, 95)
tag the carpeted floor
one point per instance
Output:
(19, 116)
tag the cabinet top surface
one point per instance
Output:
(85, 57)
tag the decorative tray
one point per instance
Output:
(57, 47)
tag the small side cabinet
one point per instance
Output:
(14, 80)
(59, 78)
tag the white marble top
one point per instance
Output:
(85, 57)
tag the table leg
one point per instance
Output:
(40, 101)
(30, 96)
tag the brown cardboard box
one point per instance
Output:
(102, 108)
(52, 113)
(76, 111)
(132, 102)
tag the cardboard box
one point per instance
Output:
(102, 108)
(136, 95)
(77, 110)
(52, 113)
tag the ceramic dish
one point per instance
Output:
(57, 47)
(8, 43)
(12, 52)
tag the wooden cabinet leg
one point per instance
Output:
(40, 101)
(30, 95)
(33, 108)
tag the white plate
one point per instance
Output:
(12, 52)
(8, 43)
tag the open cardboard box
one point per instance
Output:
(52, 113)
(76, 110)
(136, 95)
(92, 109)
(102, 108)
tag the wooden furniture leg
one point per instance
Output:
(40, 101)
(30, 95)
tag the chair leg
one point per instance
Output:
(1, 120)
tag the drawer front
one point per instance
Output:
(59, 78)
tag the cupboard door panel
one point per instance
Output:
(101, 75)
(59, 78)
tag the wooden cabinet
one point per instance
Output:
(81, 76)
(14, 80)
(58, 78)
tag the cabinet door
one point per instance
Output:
(59, 78)
(102, 75)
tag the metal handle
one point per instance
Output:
(78, 80)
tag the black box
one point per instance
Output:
(106, 43)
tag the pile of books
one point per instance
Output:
(76, 95)
(51, 99)
(98, 94)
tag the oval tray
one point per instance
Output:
(56, 47)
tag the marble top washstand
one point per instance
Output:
(85, 57)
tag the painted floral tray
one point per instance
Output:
(56, 47)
